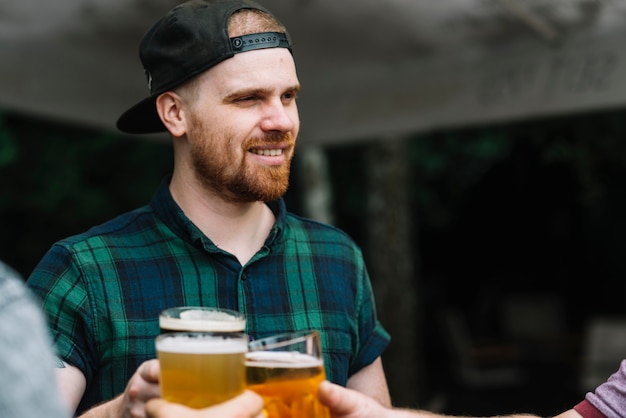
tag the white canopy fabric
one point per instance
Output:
(369, 68)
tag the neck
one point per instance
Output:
(238, 228)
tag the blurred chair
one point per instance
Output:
(478, 363)
(604, 348)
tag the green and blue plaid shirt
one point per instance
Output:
(103, 290)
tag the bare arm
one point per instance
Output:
(72, 384)
(344, 403)
(371, 381)
(142, 386)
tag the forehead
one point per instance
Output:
(263, 68)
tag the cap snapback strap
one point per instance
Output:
(260, 41)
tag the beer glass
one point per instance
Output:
(286, 370)
(201, 318)
(200, 369)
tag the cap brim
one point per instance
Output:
(141, 118)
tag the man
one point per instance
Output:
(26, 360)
(223, 84)
(606, 401)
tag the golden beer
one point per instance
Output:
(201, 369)
(201, 318)
(287, 380)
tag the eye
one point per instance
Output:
(289, 96)
(246, 98)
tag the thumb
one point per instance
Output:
(149, 370)
(246, 404)
(160, 408)
(342, 402)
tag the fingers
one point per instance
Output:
(160, 408)
(246, 405)
(142, 386)
(248, 402)
(342, 402)
(149, 371)
(330, 395)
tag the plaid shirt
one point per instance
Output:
(103, 290)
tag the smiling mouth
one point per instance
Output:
(267, 152)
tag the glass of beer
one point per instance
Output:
(200, 369)
(286, 370)
(201, 318)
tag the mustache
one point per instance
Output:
(271, 138)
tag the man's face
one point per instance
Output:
(243, 126)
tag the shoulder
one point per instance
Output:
(299, 228)
(311, 228)
(124, 226)
(319, 240)
(95, 248)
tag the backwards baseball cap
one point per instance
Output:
(189, 40)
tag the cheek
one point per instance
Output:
(295, 117)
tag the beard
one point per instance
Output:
(232, 176)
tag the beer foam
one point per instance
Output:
(201, 345)
(291, 359)
(201, 320)
(199, 314)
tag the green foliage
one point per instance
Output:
(57, 180)
(447, 165)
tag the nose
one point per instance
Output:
(279, 116)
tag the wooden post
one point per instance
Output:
(392, 263)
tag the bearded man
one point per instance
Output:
(223, 83)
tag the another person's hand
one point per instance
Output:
(246, 405)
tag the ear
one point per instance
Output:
(169, 108)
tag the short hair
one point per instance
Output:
(247, 21)
(241, 22)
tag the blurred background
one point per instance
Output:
(475, 150)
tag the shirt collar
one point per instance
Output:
(173, 216)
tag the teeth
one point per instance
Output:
(268, 152)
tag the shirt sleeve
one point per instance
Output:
(57, 281)
(373, 338)
(587, 410)
(608, 398)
